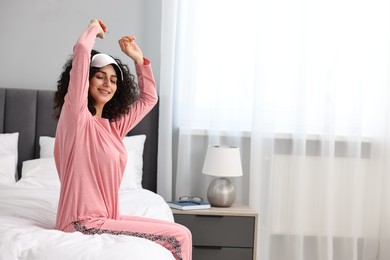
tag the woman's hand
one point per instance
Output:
(131, 49)
(102, 27)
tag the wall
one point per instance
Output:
(37, 37)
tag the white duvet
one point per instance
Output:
(27, 219)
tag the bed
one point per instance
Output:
(29, 186)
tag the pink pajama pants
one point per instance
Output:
(175, 237)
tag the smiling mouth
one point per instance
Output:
(104, 92)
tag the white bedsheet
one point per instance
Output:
(27, 219)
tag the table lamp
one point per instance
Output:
(222, 162)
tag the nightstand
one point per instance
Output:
(221, 233)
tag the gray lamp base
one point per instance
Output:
(221, 193)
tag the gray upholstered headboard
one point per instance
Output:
(30, 112)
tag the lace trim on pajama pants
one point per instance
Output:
(176, 250)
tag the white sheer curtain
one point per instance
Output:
(302, 87)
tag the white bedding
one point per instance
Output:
(27, 219)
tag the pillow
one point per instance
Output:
(40, 172)
(46, 146)
(132, 178)
(9, 145)
(7, 169)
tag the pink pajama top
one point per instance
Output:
(89, 153)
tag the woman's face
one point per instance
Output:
(102, 86)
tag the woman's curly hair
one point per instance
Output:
(127, 91)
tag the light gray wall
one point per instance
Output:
(37, 36)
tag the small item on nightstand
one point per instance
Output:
(188, 203)
(177, 204)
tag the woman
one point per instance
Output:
(97, 106)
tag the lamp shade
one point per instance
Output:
(223, 161)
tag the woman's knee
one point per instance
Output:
(185, 232)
